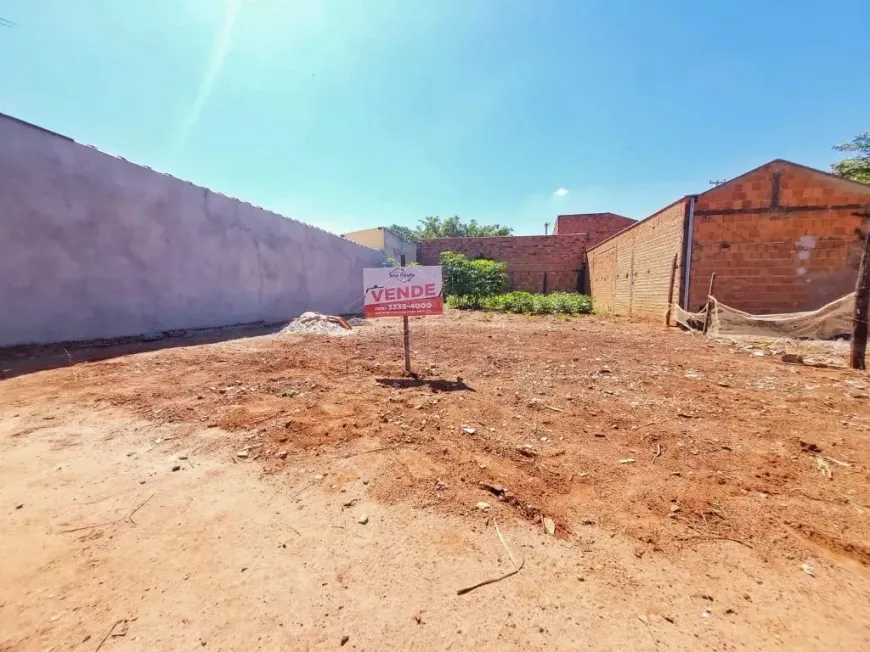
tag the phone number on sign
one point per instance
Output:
(424, 305)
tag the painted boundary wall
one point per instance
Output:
(93, 246)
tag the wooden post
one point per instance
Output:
(862, 302)
(406, 334)
(671, 291)
(709, 303)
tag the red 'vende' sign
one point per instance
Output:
(402, 291)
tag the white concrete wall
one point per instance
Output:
(92, 246)
(394, 246)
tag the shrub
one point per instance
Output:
(472, 278)
(557, 303)
(391, 262)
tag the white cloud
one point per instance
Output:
(561, 192)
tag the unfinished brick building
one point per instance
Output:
(781, 238)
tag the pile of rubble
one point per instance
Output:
(315, 323)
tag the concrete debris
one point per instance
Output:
(468, 430)
(550, 526)
(627, 460)
(483, 506)
(314, 323)
(242, 453)
(152, 336)
(362, 520)
(281, 455)
(806, 568)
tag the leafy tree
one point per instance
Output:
(405, 232)
(449, 227)
(856, 168)
(475, 278)
(454, 227)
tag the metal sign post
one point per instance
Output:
(403, 292)
(406, 333)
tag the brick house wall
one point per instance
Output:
(601, 276)
(781, 238)
(532, 260)
(596, 226)
(629, 274)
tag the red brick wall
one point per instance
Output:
(786, 251)
(630, 273)
(602, 277)
(597, 226)
(527, 257)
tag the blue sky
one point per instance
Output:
(356, 113)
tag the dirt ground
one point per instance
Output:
(702, 497)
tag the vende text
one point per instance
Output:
(407, 292)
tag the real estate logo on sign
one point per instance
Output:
(402, 291)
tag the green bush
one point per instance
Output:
(556, 303)
(472, 278)
(391, 262)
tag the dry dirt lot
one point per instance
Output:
(703, 498)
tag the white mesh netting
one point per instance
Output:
(831, 321)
